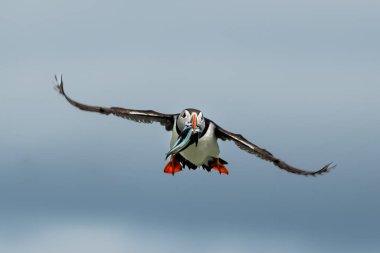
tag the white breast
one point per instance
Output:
(206, 149)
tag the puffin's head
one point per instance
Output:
(191, 119)
(190, 124)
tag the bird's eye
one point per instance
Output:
(183, 115)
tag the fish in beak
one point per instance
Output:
(191, 130)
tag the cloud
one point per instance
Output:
(99, 237)
(94, 238)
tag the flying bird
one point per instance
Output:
(194, 141)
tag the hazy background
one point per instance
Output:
(299, 78)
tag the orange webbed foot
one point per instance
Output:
(219, 166)
(173, 166)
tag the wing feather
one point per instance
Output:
(251, 148)
(141, 116)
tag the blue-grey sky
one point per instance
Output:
(299, 78)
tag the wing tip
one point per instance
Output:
(327, 168)
(59, 84)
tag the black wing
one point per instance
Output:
(248, 146)
(143, 116)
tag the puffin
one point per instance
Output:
(194, 141)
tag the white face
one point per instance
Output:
(186, 118)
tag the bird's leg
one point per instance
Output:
(173, 166)
(216, 164)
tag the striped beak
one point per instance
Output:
(195, 128)
(194, 122)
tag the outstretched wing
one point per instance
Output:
(248, 146)
(142, 116)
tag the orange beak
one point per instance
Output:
(194, 122)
